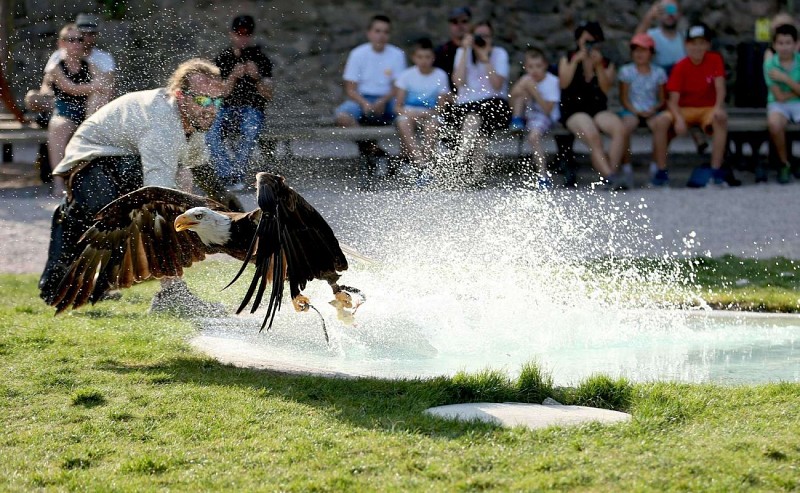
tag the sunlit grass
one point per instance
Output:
(110, 398)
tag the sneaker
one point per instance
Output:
(724, 177)
(615, 182)
(381, 167)
(235, 187)
(424, 179)
(517, 124)
(784, 174)
(544, 184)
(760, 174)
(700, 177)
(177, 300)
(660, 179)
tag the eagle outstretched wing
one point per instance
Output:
(133, 240)
(292, 242)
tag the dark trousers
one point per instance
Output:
(91, 188)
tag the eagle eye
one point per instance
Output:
(198, 216)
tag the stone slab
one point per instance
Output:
(534, 416)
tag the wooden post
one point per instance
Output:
(6, 20)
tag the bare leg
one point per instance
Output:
(777, 132)
(59, 131)
(660, 125)
(719, 140)
(629, 124)
(539, 157)
(584, 128)
(470, 132)
(406, 129)
(611, 125)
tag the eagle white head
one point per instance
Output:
(212, 227)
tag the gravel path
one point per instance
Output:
(753, 221)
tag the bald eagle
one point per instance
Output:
(155, 232)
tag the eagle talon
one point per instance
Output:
(344, 299)
(301, 303)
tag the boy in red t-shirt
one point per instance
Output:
(696, 97)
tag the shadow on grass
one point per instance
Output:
(371, 403)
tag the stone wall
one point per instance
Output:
(308, 40)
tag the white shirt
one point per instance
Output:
(143, 123)
(102, 60)
(478, 86)
(550, 91)
(374, 71)
(668, 50)
(422, 90)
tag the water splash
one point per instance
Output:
(499, 277)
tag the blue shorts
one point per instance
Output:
(353, 109)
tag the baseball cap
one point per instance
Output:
(698, 30)
(458, 12)
(243, 24)
(644, 40)
(593, 28)
(87, 23)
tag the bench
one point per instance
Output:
(746, 127)
(12, 132)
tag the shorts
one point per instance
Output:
(642, 120)
(536, 121)
(75, 113)
(353, 109)
(789, 109)
(416, 112)
(701, 117)
(495, 114)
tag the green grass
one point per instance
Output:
(109, 398)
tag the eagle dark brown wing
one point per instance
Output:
(292, 238)
(133, 240)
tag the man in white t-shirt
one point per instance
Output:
(142, 138)
(369, 75)
(88, 25)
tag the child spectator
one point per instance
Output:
(418, 90)
(641, 92)
(782, 75)
(534, 101)
(696, 90)
(585, 77)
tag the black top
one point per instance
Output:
(445, 59)
(70, 104)
(582, 96)
(244, 92)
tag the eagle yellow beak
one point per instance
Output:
(182, 222)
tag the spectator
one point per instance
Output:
(458, 20)
(72, 80)
(142, 138)
(534, 100)
(641, 92)
(419, 89)
(369, 75)
(88, 25)
(696, 90)
(782, 75)
(585, 77)
(481, 77)
(780, 19)
(247, 88)
(667, 38)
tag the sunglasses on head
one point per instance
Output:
(203, 100)
(459, 21)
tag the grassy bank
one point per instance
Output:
(110, 398)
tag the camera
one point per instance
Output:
(589, 45)
(479, 41)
